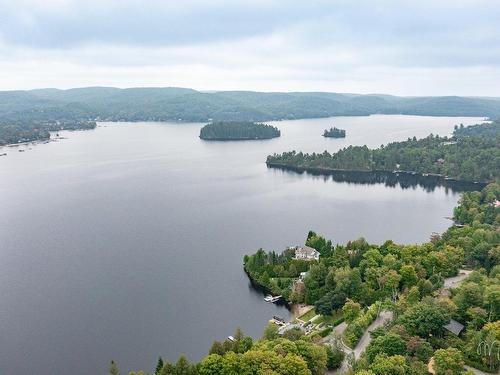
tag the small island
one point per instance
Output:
(238, 131)
(334, 133)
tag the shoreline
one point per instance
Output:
(236, 139)
(333, 171)
(180, 121)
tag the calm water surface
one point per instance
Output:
(126, 242)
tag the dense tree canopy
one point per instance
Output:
(484, 130)
(242, 130)
(471, 158)
(17, 131)
(334, 133)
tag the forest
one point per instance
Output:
(12, 132)
(355, 282)
(238, 130)
(474, 157)
(334, 133)
(481, 130)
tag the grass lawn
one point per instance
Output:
(329, 319)
(308, 315)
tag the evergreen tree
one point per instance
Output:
(113, 368)
(159, 365)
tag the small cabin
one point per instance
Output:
(454, 327)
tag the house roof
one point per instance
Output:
(454, 327)
(306, 250)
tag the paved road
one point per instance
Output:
(338, 331)
(453, 282)
(383, 317)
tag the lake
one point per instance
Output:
(126, 242)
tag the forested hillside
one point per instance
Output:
(142, 104)
(25, 109)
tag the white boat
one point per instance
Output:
(271, 298)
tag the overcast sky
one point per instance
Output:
(405, 47)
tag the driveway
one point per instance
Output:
(453, 282)
(383, 317)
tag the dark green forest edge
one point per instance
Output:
(20, 131)
(238, 130)
(471, 154)
(334, 133)
(30, 115)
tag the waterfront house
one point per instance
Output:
(306, 253)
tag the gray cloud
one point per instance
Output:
(406, 47)
(72, 23)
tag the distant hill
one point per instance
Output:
(181, 104)
(30, 115)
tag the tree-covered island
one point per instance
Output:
(469, 155)
(238, 131)
(334, 133)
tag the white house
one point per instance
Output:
(306, 253)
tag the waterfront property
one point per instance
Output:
(306, 253)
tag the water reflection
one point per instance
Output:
(389, 179)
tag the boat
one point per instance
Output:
(272, 299)
(279, 319)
